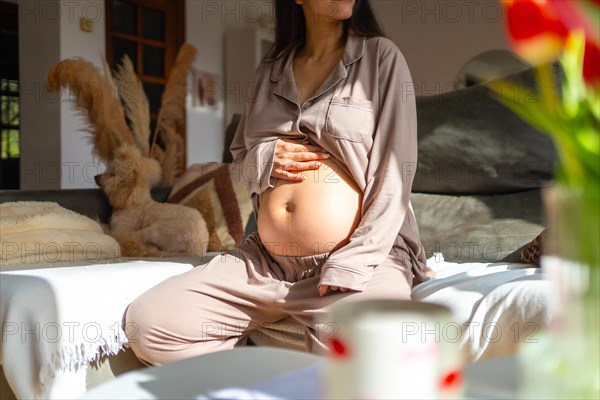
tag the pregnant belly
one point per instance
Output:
(311, 217)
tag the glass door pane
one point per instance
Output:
(122, 47)
(154, 92)
(154, 61)
(153, 24)
(124, 17)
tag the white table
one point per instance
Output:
(273, 372)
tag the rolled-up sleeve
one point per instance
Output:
(389, 176)
(254, 164)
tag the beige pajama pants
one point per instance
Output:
(218, 305)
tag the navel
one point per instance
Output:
(289, 207)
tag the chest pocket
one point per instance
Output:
(350, 118)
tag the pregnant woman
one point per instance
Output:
(328, 147)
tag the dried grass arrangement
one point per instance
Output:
(118, 116)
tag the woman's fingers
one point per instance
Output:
(303, 151)
(299, 166)
(294, 146)
(292, 170)
(293, 157)
(287, 175)
(336, 288)
(301, 155)
(324, 288)
(308, 155)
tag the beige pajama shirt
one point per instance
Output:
(363, 115)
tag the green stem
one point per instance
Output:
(545, 80)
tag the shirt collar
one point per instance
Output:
(354, 50)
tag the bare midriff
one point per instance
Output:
(311, 217)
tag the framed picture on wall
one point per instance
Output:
(206, 90)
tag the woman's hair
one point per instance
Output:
(290, 25)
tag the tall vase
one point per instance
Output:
(565, 363)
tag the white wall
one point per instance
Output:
(55, 153)
(78, 165)
(438, 36)
(40, 115)
(205, 29)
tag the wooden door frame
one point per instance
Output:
(179, 30)
(171, 51)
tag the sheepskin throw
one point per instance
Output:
(37, 232)
(217, 191)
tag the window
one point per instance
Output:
(9, 100)
(9, 97)
(150, 32)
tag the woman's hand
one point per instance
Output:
(292, 157)
(323, 289)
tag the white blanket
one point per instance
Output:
(56, 320)
(496, 307)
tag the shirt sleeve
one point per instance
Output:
(389, 176)
(255, 164)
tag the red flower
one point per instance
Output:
(574, 16)
(591, 63)
(536, 33)
(538, 30)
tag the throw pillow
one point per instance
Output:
(43, 232)
(482, 228)
(470, 143)
(217, 191)
(533, 251)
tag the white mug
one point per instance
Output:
(393, 349)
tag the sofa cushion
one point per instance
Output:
(470, 143)
(221, 197)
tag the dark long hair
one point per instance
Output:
(290, 25)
